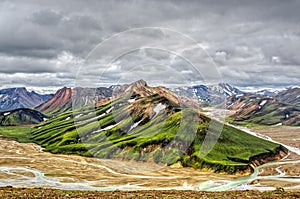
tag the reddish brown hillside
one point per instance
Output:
(65, 98)
(60, 99)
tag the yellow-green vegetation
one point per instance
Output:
(104, 133)
(20, 133)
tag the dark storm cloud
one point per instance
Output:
(252, 42)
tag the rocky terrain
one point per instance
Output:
(53, 193)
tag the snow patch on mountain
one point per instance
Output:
(5, 114)
(159, 107)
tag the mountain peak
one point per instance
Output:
(139, 83)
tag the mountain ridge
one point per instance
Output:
(208, 94)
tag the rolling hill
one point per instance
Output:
(153, 124)
(22, 116)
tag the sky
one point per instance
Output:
(45, 45)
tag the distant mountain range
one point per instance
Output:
(64, 98)
(266, 92)
(209, 94)
(277, 107)
(67, 99)
(14, 98)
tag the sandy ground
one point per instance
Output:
(286, 135)
(289, 136)
(99, 173)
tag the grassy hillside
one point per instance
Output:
(20, 133)
(150, 136)
(21, 116)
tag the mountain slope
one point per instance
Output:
(14, 98)
(21, 116)
(149, 124)
(289, 96)
(64, 98)
(263, 110)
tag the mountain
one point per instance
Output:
(151, 124)
(264, 110)
(141, 89)
(64, 98)
(290, 96)
(14, 98)
(22, 116)
(208, 94)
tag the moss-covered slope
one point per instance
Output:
(151, 128)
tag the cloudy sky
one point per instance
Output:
(46, 44)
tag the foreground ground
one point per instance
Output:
(27, 165)
(53, 193)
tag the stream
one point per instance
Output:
(39, 179)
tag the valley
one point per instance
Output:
(26, 164)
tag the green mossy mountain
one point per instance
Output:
(22, 116)
(149, 124)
